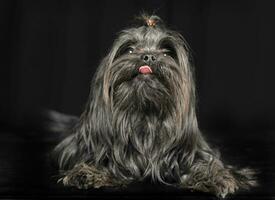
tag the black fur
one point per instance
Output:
(136, 126)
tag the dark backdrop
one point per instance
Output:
(50, 50)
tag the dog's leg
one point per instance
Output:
(212, 176)
(84, 176)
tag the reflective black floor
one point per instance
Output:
(26, 172)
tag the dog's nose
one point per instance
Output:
(149, 58)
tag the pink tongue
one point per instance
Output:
(145, 69)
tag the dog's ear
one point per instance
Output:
(91, 135)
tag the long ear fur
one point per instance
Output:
(92, 134)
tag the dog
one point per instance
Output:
(140, 121)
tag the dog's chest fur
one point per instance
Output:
(141, 143)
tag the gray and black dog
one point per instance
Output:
(140, 121)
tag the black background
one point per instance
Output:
(51, 49)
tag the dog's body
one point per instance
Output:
(140, 120)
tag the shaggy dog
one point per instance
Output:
(140, 121)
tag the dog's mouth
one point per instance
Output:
(145, 69)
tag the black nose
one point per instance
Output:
(149, 58)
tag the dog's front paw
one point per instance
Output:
(212, 178)
(220, 185)
(224, 183)
(84, 176)
(228, 180)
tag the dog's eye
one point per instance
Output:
(127, 50)
(170, 53)
(124, 51)
(130, 50)
(168, 49)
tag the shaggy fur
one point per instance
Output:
(138, 125)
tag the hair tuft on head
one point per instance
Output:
(149, 20)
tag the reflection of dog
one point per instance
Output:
(140, 121)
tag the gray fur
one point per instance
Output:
(136, 126)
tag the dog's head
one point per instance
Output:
(147, 68)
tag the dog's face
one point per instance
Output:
(147, 70)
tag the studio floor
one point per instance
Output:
(26, 171)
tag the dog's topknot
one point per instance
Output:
(150, 20)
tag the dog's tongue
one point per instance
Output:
(145, 69)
